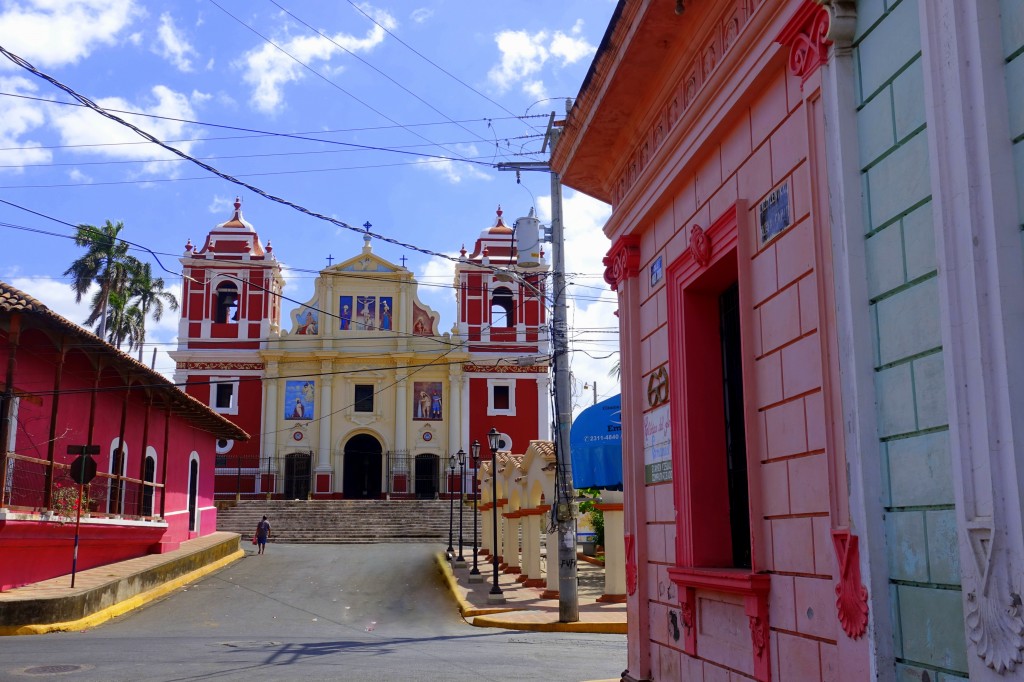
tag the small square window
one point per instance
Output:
(501, 398)
(224, 394)
(364, 398)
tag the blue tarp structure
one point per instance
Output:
(595, 442)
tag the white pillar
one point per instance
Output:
(454, 416)
(531, 548)
(510, 543)
(270, 425)
(401, 417)
(464, 417)
(614, 545)
(324, 419)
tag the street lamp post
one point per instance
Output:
(451, 510)
(495, 596)
(474, 573)
(460, 562)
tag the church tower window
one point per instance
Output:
(227, 303)
(364, 398)
(502, 311)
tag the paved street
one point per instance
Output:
(331, 612)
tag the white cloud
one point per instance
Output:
(421, 15)
(78, 176)
(79, 126)
(57, 32)
(434, 272)
(57, 295)
(524, 56)
(17, 117)
(172, 44)
(135, 38)
(220, 205)
(268, 69)
(453, 170)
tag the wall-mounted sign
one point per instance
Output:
(427, 436)
(774, 214)
(657, 271)
(658, 445)
(297, 436)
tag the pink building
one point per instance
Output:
(816, 244)
(64, 387)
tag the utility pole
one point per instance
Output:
(565, 509)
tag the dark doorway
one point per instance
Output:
(362, 467)
(193, 495)
(735, 434)
(426, 477)
(297, 473)
(149, 476)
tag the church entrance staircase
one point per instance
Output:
(346, 521)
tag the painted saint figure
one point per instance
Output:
(346, 317)
(385, 314)
(299, 411)
(366, 311)
(435, 405)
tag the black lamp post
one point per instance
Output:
(460, 562)
(451, 509)
(495, 596)
(474, 573)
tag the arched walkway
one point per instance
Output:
(362, 468)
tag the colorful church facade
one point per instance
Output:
(817, 248)
(360, 392)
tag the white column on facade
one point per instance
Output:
(543, 402)
(981, 277)
(324, 417)
(531, 547)
(467, 437)
(401, 415)
(499, 541)
(614, 545)
(455, 442)
(270, 424)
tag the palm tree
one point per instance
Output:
(105, 262)
(148, 293)
(126, 321)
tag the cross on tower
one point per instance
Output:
(330, 260)
(403, 259)
(367, 225)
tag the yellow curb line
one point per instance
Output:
(125, 606)
(592, 628)
(465, 608)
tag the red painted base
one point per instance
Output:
(549, 594)
(534, 582)
(612, 599)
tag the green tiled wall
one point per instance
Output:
(924, 571)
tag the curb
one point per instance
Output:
(465, 608)
(125, 606)
(591, 628)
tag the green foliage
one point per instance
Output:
(128, 292)
(588, 506)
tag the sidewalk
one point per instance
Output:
(108, 591)
(525, 609)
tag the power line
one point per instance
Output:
(325, 78)
(353, 54)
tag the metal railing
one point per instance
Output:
(30, 488)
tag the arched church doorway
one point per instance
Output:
(362, 467)
(426, 476)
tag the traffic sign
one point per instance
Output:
(83, 469)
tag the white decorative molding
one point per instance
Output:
(980, 277)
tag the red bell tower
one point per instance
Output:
(230, 302)
(503, 318)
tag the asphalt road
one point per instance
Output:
(311, 612)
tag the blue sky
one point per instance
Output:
(414, 81)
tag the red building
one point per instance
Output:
(64, 387)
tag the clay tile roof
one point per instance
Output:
(179, 402)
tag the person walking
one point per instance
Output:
(262, 533)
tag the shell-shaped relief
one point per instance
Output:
(997, 630)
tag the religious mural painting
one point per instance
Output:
(308, 321)
(386, 312)
(365, 307)
(427, 404)
(422, 325)
(299, 400)
(345, 312)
